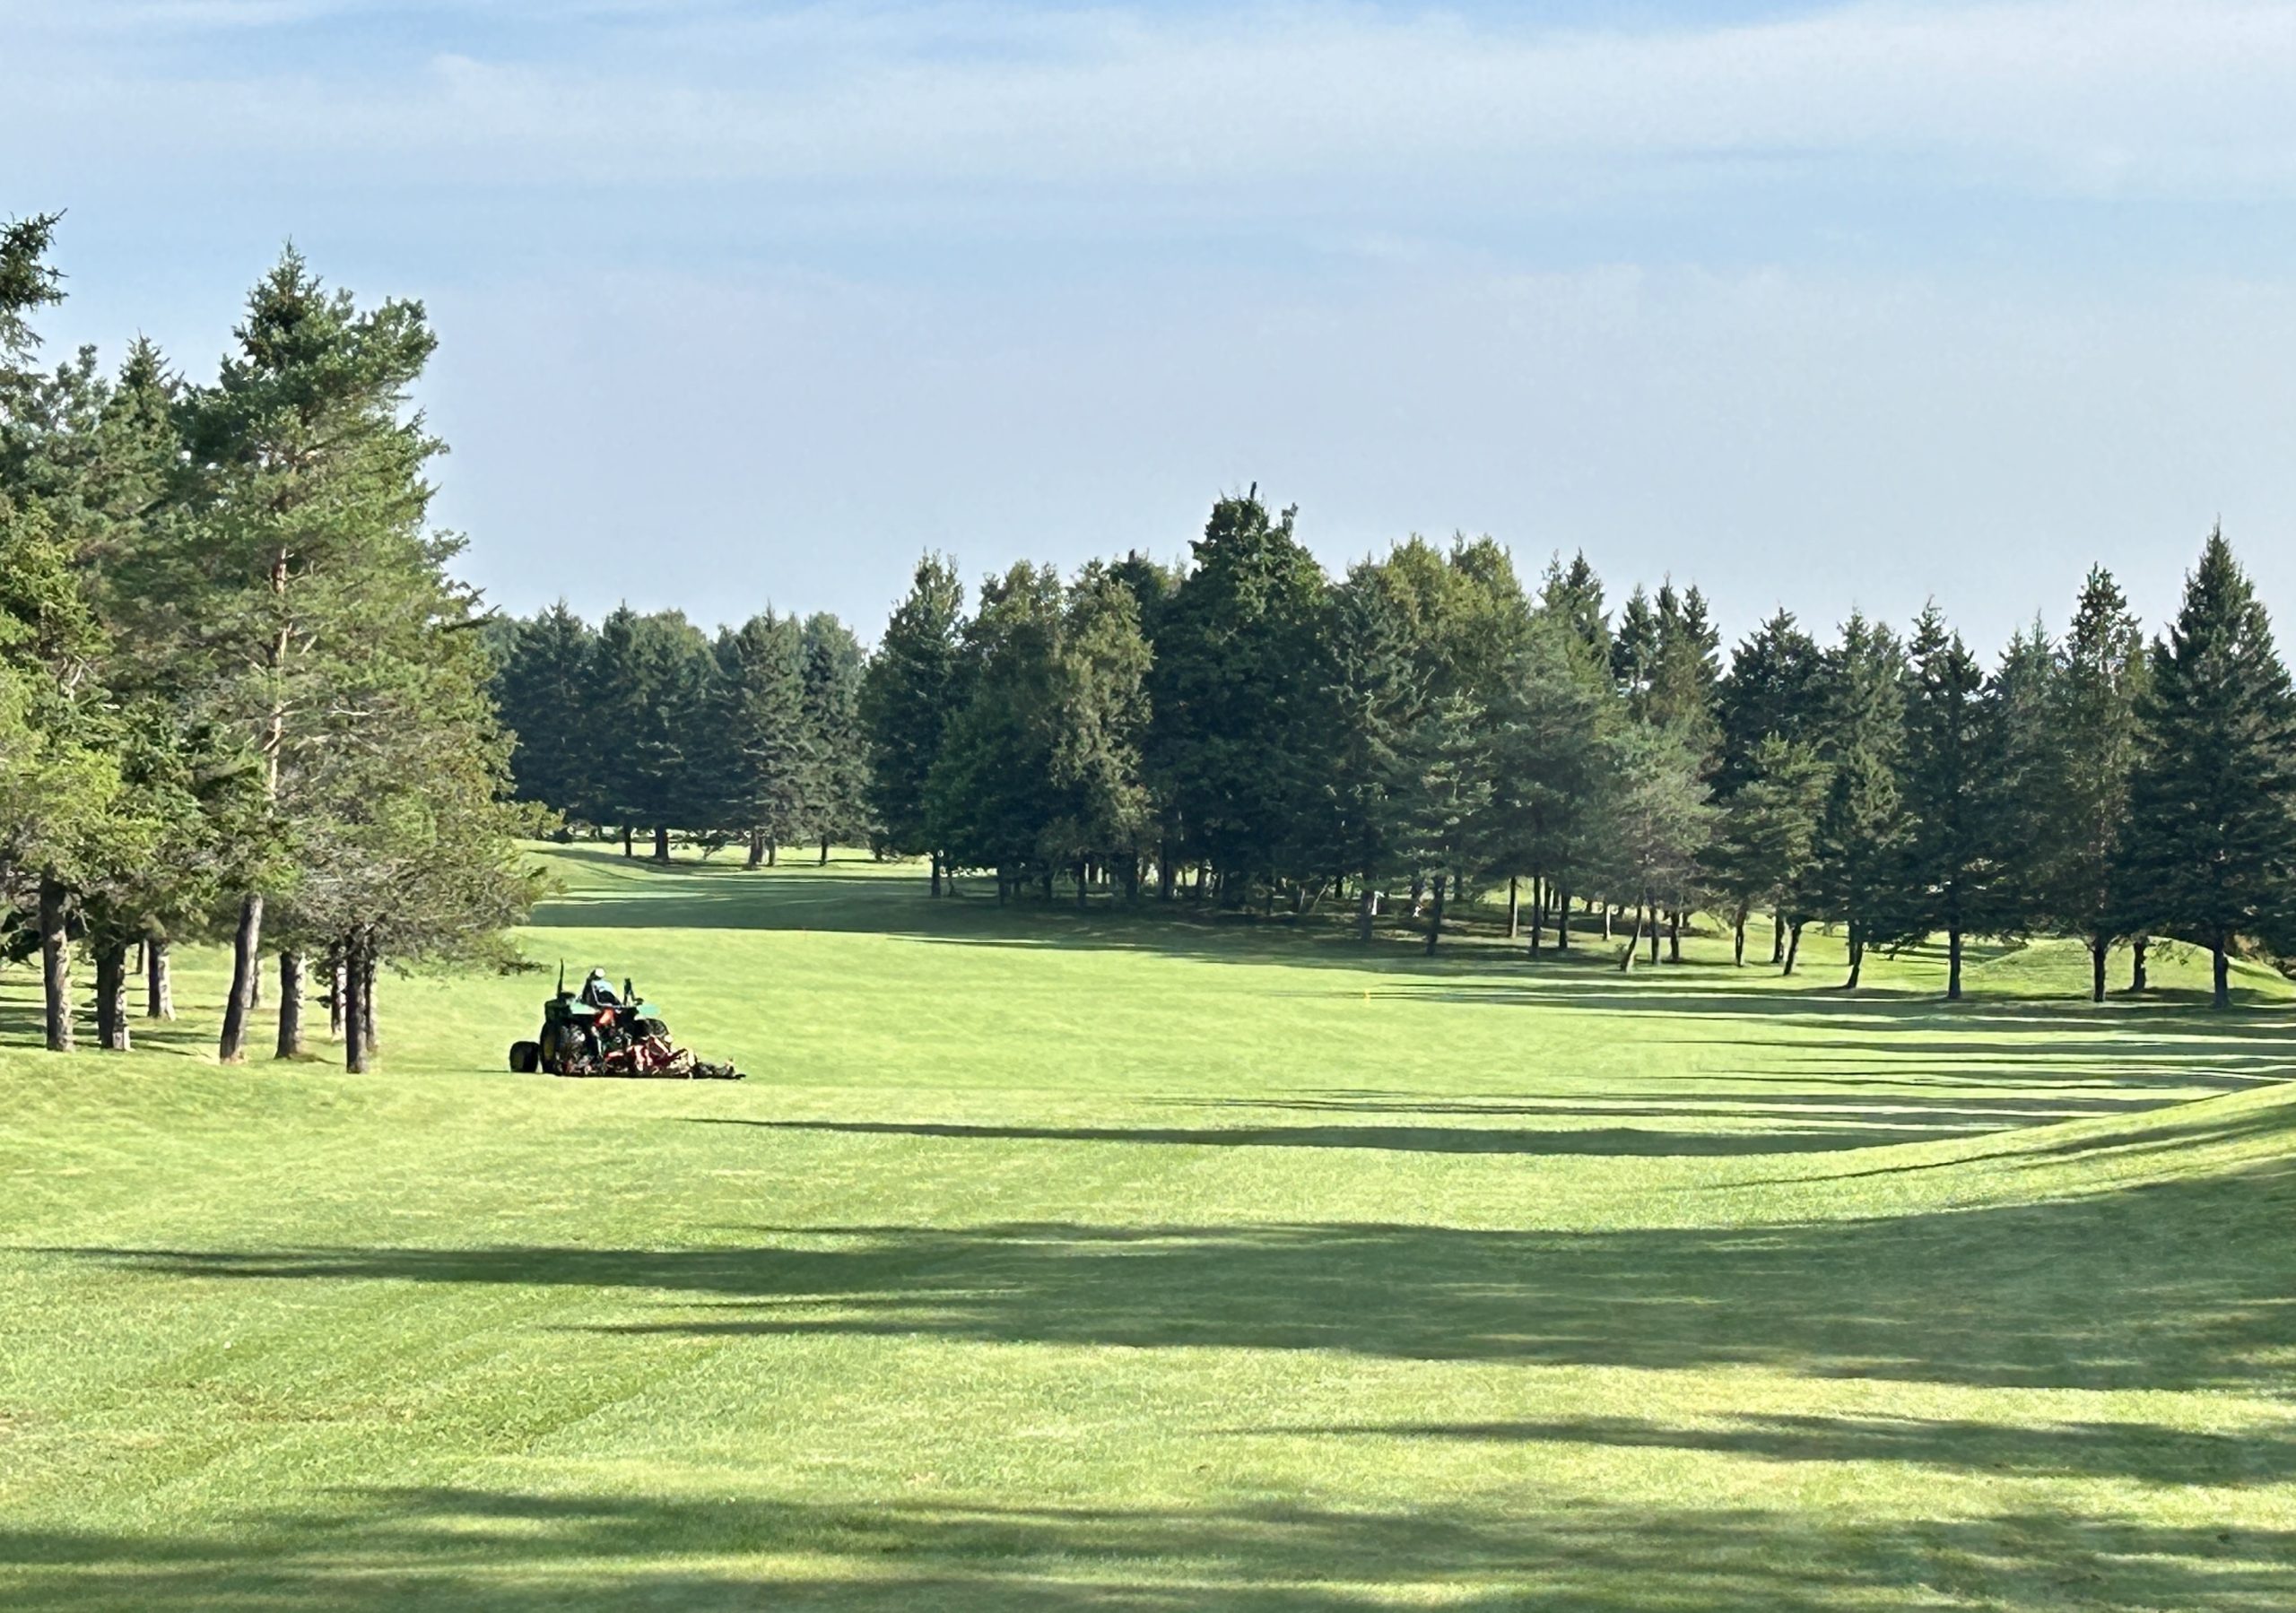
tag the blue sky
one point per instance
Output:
(746, 303)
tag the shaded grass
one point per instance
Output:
(1127, 1261)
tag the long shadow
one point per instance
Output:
(2186, 1284)
(2148, 1452)
(1619, 1141)
(512, 1552)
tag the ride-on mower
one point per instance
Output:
(595, 1032)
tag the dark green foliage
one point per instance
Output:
(910, 691)
(1238, 730)
(1955, 872)
(1775, 688)
(2080, 786)
(1855, 873)
(543, 686)
(837, 780)
(2210, 855)
(765, 749)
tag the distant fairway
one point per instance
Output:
(1059, 1262)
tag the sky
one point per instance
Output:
(740, 305)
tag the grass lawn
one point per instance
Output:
(1054, 1261)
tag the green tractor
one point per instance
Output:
(596, 1032)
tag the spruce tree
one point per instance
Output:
(910, 691)
(1953, 869)
(1855, 873)
(542, 689)
(2089, 751)
(2210, 855)
(761, 740)
(838, 779)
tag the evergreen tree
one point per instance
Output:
(2210, 855)
(1098, 710)
(911, 688)
(1951, 843)
(1856, 873)
(838, 781)
(1658, 820)
(1774, 689)
(2087, 754)
(1239, 732)
(542, 686)
(763, 740)
(1767, 836)
(1376, 696)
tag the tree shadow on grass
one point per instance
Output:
(513, 1552)
(1560, 1139)
(2148, 1452)
(2185, 1284)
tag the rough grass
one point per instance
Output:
(1054, 1261)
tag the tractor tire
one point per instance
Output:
(525, 1057)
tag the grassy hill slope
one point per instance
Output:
(1057, 1262)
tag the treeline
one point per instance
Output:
(1250, 732)
(644, 722)
(241, 697)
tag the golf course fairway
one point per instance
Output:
(1126, 1260)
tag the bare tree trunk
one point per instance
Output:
(757, 856)
(2097, 948)
(247, 960)
(1082, 885)
(661, 842)
(1793, 947)
(628, 840)
(1538, 910)
(1514, 911)
(824, 850)
(357, 1057)
(2220, 969)
(1606, 920)
(159, 986)
(367, 997)
(291, 1005)
(1673, 936)
(335, 991)
(1738, 938)
(1435, 924)
(1856, 955)
(111, 995)
(2136, 948)
(1165, 871)
(1633, 941)
(1952, 963)
(1562, 923)
(937, 873)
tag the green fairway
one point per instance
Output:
(1054, 1260)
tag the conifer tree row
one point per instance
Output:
(1424, 732)
(242, 697)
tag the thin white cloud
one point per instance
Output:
(2099, 97)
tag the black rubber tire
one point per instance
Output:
(525, 1057)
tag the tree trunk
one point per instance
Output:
(2220, 969)
(1675, 935)
(367, 1000)
(291, 1005)
(1633, 941)
(1738, 938)
(1793, 947)
(159, 986)
(1777, 935)
(2137, 978)
(1538, 910)
(111, 995)
(1856, 955)
(2098, 947)
(1132, 873)
(1952, 963)
(1367, 908)
(358, 1058)
(246, 958)
(824, 850)
(1435, 922)
(757, 856)
(772, 851)
(1164, 871)
(937, 873)
(661, 842)
(629, 841)
(1606, 921)
(335, 991)
(1562, 924)
(1514, 912)
(1083, 884)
